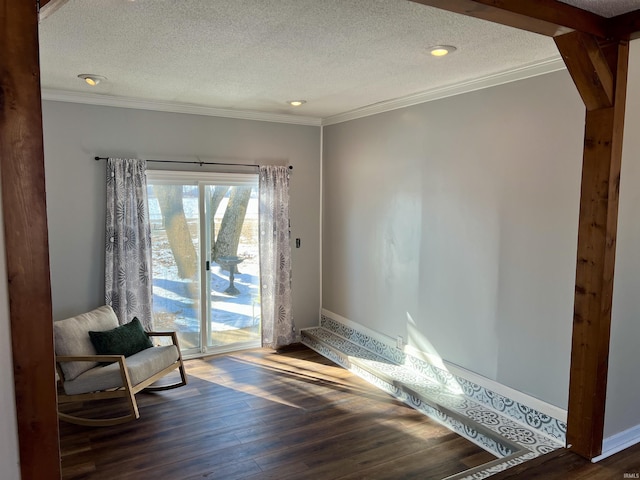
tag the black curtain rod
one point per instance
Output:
(199, 163)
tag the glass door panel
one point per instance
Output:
(204, 233)
(232, 238)
(175, 236)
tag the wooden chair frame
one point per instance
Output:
(127, 391)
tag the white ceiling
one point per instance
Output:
(254, 55)
(605, 8)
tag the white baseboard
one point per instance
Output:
(506, 391)
(361, 328)
(487, 383)
(618, 442)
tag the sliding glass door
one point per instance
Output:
(205, 259)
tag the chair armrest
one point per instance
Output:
(172, 334)
(119, 359)
(160, 334)
(89, 358)
(92, 358)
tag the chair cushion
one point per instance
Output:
(71, 337)
(126, 339)
(141, 366)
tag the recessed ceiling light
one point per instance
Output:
(91, 79)
(296, 103)
(441, 50)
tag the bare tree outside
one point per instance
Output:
(228, 237)
(218, 192)
(225, 241)
(175, 223)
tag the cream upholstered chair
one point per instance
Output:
(131, 365)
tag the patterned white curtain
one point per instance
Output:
(278, 329)
(128, 242)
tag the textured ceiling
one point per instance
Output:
(606, 8)
(254, 55)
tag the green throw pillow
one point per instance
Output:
(124, 340)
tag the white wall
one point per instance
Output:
(623, 389)
(454, 224)
(74, 134)
(8, 428)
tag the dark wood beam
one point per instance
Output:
(26, 240)
(588, 67)
(626, 26)
(546, 17)
(597, 230)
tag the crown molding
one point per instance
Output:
(549, 65)
(173, 107)
(48, 7)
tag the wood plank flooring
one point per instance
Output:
(565, 465)
(261, 415)
(290, 415)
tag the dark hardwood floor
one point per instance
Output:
(261, 414)
(289, 415)
(566, 465)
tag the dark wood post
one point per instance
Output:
(26, 240)
(599, 70)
